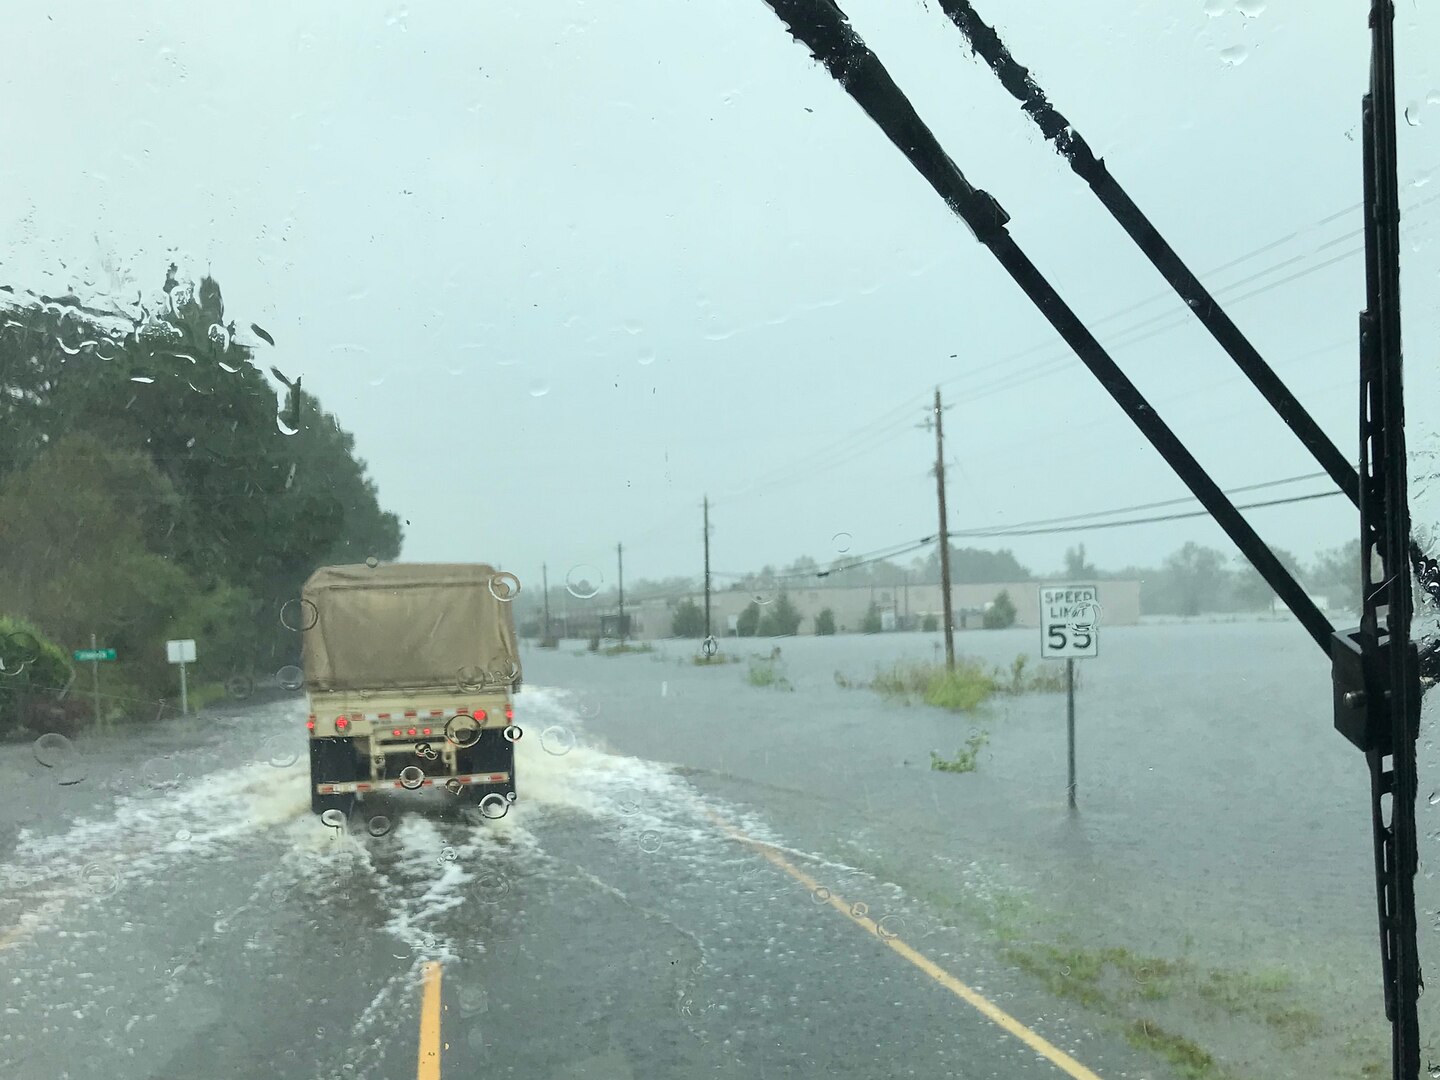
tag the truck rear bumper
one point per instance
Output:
(362, 786)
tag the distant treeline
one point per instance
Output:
(1192, 580)
(153, 487)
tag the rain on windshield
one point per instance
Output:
(533, 540)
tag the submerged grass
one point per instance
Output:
(765, 672)
(964, 760)
(621, 649)
(965, 689)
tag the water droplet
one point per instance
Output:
(539, 388)
(290, 677)
(262, 334)
(1412, 114)
(142, 379)
(219, 336)
(842, 541)
(449, 854)
(557, 740)
(646, 358)
(490, 887)
(649, 841)
(378, 825)
(1234, 55)
(820, 894)
(98, 880)
(55, 751)
(584, 581)
(280, 751)
(333, 819)
(281, 425)
(494, 806)
(1434, 797)
(629, 799)
(859, 909)
(372, 562)
(504, 587)
(1213, 8)
(299, 615)
(1251, 9)
(411, 777)
(182, 835)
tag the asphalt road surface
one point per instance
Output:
(170, 908)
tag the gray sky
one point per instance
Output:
(565, 267)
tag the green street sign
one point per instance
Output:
(88, 655)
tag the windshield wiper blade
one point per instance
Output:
(1071, 146)
(822, 26)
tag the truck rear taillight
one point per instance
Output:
(410, 732)
(396, 733)
(509, 713)
(310, 724)
(341, 723)
(425, 731)
(479, 714)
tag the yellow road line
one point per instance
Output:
(428, 1067)
(971, 997)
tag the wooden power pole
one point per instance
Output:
(707, 566)
(944, 534)
(620, 585)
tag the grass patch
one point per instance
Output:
(965, 689)
(964, 760)
(701, 660)
(1190, 1061)
(765, 672)
(625, 648)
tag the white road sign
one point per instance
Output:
(1069, 621)
(180, 652)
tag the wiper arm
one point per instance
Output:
(822, 26)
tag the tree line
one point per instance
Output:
(153, 486)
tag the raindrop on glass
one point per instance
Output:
(378, 825)
(842, 542)
(649, 841)
(55, 751)
(280, 424)
(372, 562)
(1234, 55)
(1251, 9)
(584, 581)
(290, 677)
(539, 388)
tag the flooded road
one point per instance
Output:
(704, 876)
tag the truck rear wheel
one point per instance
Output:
(332, 761)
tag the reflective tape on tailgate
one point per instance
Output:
(429, 781)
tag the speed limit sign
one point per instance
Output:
(1069, 621)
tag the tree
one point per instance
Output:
(825, 623)
(1337, 576)
(782, 619)
(930, 623)
(688, 621)
(1194, 576)
(871, 624)
(1075, 565)
(1251, 591)
(1001, 613)
(975, 566)
(749, 620)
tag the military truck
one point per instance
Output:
(411, 672)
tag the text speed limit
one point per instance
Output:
(1069, 621)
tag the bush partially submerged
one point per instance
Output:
(962, 690)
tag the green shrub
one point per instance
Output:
(765, 671)
(688, 620)
(749, 620)
(36, 670)
(781, 619)
(930, 623)
(871, 624)
(825, 623)
(1001, 613)
(961, 690)
(964, 760)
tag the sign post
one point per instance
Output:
(1069, 628)
(93, 656)
(181, 652)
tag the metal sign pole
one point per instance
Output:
(95, 676)
(1070, 723)
(184, 697)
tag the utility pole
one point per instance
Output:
(944, 530)
(707, 566)
(620, 584)
(545, 587)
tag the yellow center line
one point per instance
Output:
(969, 995)
(428, 1067)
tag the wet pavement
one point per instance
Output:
(702, 877)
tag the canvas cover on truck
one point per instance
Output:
(405, 626)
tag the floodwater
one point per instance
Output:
(1221, 818)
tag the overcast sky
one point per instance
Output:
(563, 268)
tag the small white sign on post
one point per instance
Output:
(1069, 621)
(182, 652)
